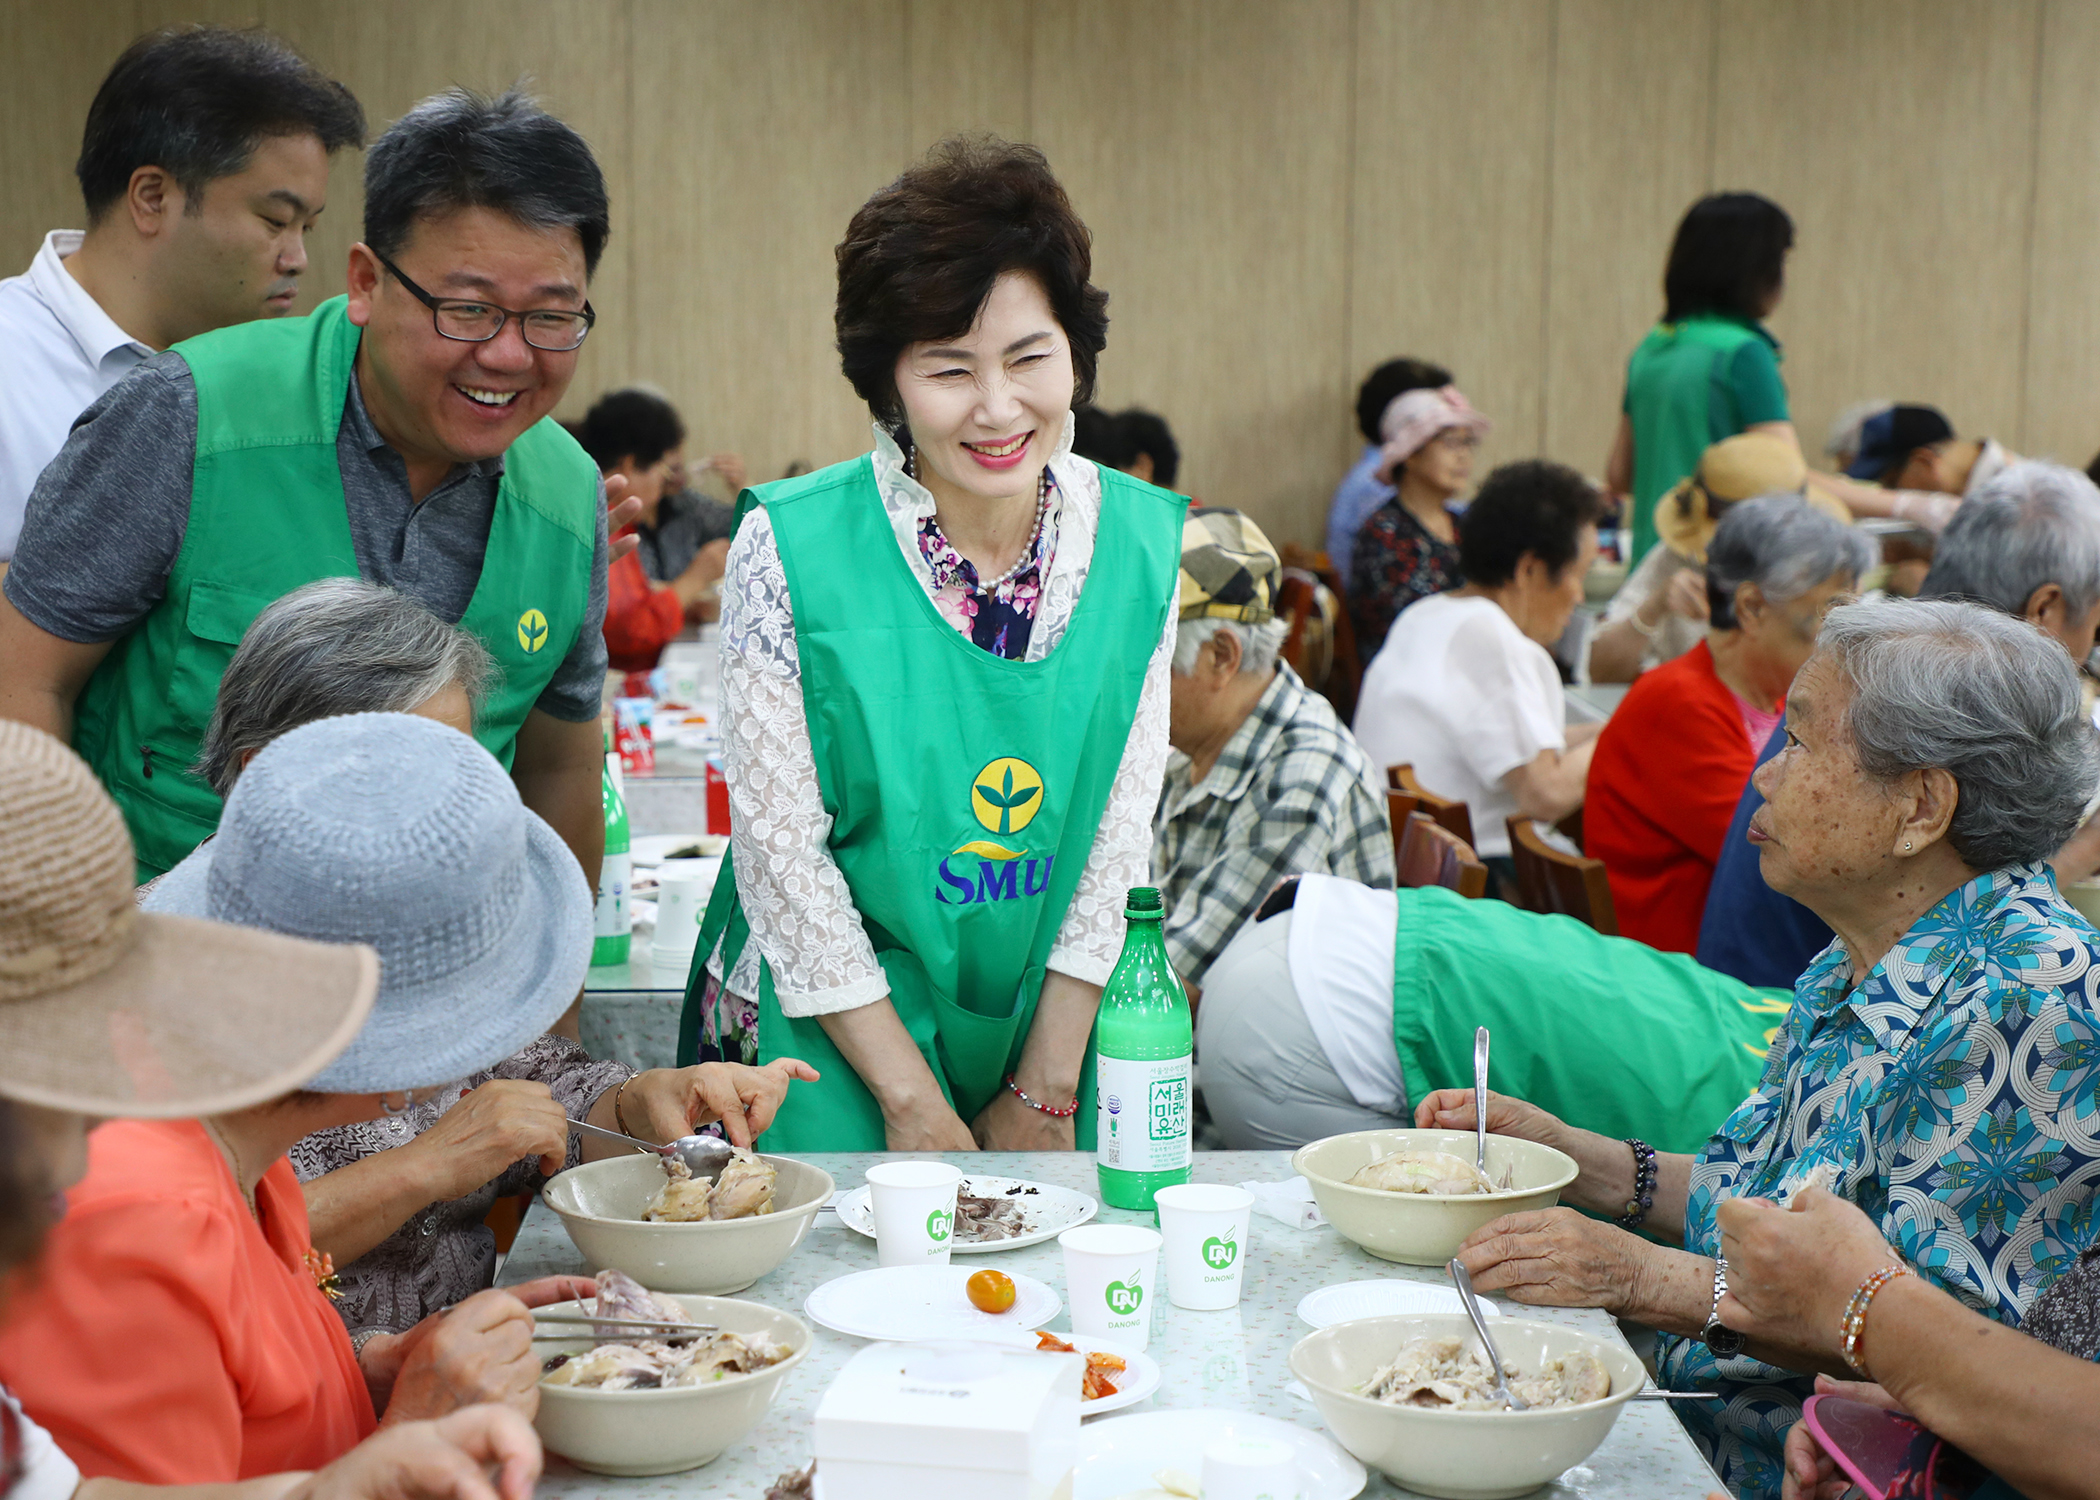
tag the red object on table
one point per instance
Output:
(717, 799)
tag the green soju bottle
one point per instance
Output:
(614, 929)
(1145, 1042)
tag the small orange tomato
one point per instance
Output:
(991, 1291)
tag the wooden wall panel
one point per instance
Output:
(1205, 142)
(1449, 205)
(54, 58)
(2063, 294)
(1901, 139)
(771, 123)
(1632, 149)
(971, 68)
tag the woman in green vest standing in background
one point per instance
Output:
(1710, 369)
(944, 695)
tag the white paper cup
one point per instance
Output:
(1249, 1468)
(683, 888)
(1112, 1280)
(1205, 1228)
(914, 1205)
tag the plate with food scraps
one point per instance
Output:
(1382, 1299)
(905, 1303)
(992, 1213)
(1158, 1454)
(1138, 1378)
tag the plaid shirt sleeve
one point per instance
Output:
(1308, 810)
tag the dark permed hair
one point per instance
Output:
(634, 424)
(460, 149)
(921, 256)
(1531, 506)
(195, 101)
(1396, 377)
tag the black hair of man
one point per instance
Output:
(1396, 377)
(460, 149)
(1728, 257)
(196, 101)
(1147, 433)
(1099, 435)
(632, 425)
(1531, 506)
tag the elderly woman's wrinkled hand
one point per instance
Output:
(1792, 1270)
(452, 1458)
(1811, 1474)
(1452, 1109)
(666, 1103)
(479, 1351)
(1556, 1257)
(500, 1122)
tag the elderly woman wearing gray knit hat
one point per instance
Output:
(180, 1330)
(399, 1202)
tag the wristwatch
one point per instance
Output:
(1721, 1340)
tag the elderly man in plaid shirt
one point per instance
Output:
(1264, 782)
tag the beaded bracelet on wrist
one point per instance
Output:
(1065, 1113)
(1853, 1327)
(1643, 1198)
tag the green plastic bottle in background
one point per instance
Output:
(614, 923)
(1145, 1043)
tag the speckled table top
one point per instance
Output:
(1233, 1359)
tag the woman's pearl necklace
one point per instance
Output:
(1042, 510)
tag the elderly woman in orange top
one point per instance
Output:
(1674, 759)
(181, 1333)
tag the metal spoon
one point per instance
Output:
(1480, 1099)
(704, 1155)
(1464, 1283)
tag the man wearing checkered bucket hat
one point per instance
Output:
(1265, 781)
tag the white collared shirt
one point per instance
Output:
(59, 351)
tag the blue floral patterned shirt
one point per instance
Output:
(1953, 1095)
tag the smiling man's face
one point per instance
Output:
(442, 401)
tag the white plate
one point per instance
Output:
(1382, 1299)
(650, 849)
(1139, 1380)
(1123, 1453)
(1048, 1211)
(923, 1302)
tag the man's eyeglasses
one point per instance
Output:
(470, 322)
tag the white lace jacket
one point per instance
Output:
(794, 896)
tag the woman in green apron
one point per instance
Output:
(944, 695)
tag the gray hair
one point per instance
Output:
(2033, 524)
(1782, 544)
(339, 646)
(1259, 644)
(1988, 698)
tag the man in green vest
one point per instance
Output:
(401, 434)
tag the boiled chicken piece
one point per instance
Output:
(744, 1189)
(621, 1296)
(683, 1200)
(1434, 1172)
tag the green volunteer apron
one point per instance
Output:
(266, 517)
(964, 790)
(1607, 1033)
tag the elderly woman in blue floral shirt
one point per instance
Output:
(1940, 1064)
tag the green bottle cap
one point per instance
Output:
(1143, 902)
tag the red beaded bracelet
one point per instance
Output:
(1056, 1114)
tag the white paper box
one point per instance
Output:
(908, 1421)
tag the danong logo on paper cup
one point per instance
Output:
(1124, 1297)
(1220, 1251)
(939, 1224)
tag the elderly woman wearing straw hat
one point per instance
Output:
(185, 1334)
(110, 1014)
(944, 686)
(1407, 549)
(1941, 1059)
(399, 1202)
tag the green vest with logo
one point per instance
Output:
(266, 517)
(964, 790)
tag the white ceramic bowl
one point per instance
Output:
(1460, 1455)
(601, 1204)
(1416, 1228)
(666, 1431)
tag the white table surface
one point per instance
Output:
(1234, 1359)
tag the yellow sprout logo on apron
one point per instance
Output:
(532, 631)
(1004, 798)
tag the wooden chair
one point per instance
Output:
(1453, 814)
(1399, 807)
(1310, 597)
(1431, 854)
(1549, 880)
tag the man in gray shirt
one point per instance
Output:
(402, 434)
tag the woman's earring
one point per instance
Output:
(1906, 846)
